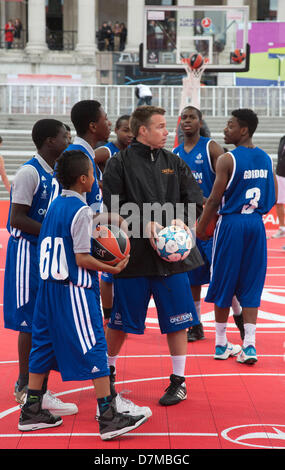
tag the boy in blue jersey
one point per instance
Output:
(67, 317)
(30, 194)
(245, 188)
(201, 154)
(92, 126)
(123, 140)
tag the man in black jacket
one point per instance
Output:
(144, 176)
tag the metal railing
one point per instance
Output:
(120, 99)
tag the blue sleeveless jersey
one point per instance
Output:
(55, 248)
(112, 147)
(251, 187)
(40, 202)
(93, 198)
(199, 161)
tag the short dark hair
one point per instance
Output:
(1, 140)
(195, 109)
(84, 112)
(142, 115)
(125, 117)
(246, 118)
(43, 129)
(70, 165)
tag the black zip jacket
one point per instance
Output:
(140, 175)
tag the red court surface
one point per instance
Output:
(229, 406)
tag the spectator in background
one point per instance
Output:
(117, 35)
(110, 37)
(144, 94)
(123, 36)
(3, 171)
(280, 175)
(9, 34)
(17, 33)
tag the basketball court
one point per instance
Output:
(230, 406)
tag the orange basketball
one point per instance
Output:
(196, 61)
(238, 56)
(110, 244)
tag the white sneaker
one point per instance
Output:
(57, 407)
(223, 352)
(279, 234)
(247, 355)
(126, 406)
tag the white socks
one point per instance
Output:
(178, 365)
(249, 335)
(221, 334)
(112, 361)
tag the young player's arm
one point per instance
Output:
(24, 187)
(224, 169)
(86, 261)
(215, 150)
(102, 154)
(3, 174)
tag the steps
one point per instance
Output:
(18, 147)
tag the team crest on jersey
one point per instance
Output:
(44, 194)
(198, 159)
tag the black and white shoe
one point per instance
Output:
(33, 417)
(113, 424)
(175, 392)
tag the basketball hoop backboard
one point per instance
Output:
(174, 32)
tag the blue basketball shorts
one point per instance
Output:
(68, 333)
(20, 284)
(172, 296)
(107, 277)
(201, 275)
(239, 261)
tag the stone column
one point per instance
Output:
(280, 11)
(86, 27)
(36, 27)
(235, 3)
(135, 25)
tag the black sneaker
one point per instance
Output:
(33, 417)
(239, 323)
(175, 392)
(195, 333)
(113, 424)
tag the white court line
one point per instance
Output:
(271, 275)
(94, 434)
(154, 356)
(275, 267)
